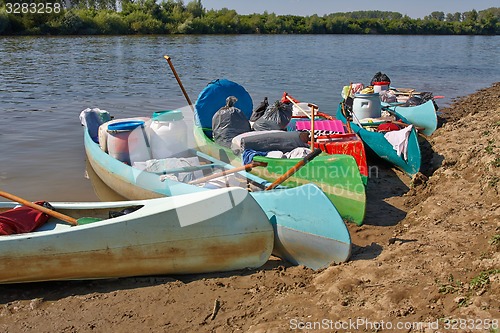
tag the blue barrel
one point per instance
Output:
(124, 142)
(125, 125)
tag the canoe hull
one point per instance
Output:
(165, 236)
(300, 239)
(423, 115)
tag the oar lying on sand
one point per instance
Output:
(48, 211)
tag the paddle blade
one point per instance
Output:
(87, 220)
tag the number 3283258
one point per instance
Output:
(33, 8)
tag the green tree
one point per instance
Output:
(456, 17)
(109, 22)
(438, 16)
(470, 16)
(195, 8)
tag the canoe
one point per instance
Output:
(212, 231)
(423, 115)
(378, 145)
(337, 175)
(308, 229)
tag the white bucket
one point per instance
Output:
(367, 106)
(127, 141)
(380, 86)
(168, 134)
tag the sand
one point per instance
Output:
(426, 260)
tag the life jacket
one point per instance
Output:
(22, 219)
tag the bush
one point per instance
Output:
(143, 23)
(109, 22)
(78, 22)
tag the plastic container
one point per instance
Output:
(367, 106)
(103, 129)
(92, 119)
(168, 134)
(380, 86)
(127, 141)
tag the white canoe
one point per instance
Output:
(210, 231)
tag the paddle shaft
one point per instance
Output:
(298, 107)
(45, 210)
(311, 117)
(179, 81)
(344, 111)
(312, 106)
(294, 169)
(246, 167)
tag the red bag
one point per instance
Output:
(388, 127)
(22, 219)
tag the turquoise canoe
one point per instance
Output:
(308, 229)
(337, 175)
(377, 144)
(210, 231)
(423, 116)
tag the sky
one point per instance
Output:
(414, 9)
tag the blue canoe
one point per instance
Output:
(376, 143)
(423, 115)
(308, 229)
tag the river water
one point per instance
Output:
(45, 82)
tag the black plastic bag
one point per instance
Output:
(380, 77)
(259, 111)
(276, 117)
(229, 122)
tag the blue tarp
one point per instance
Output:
(213, 97)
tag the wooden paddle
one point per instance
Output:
(179, 81)
(48, 211)
(313, 114)
(344, 111)
(294, 169)
(246, 167)
(311, 117)
(298, 107)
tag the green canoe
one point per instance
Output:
(337, 175)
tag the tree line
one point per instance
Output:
(121, 17)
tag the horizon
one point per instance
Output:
(322, 7)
